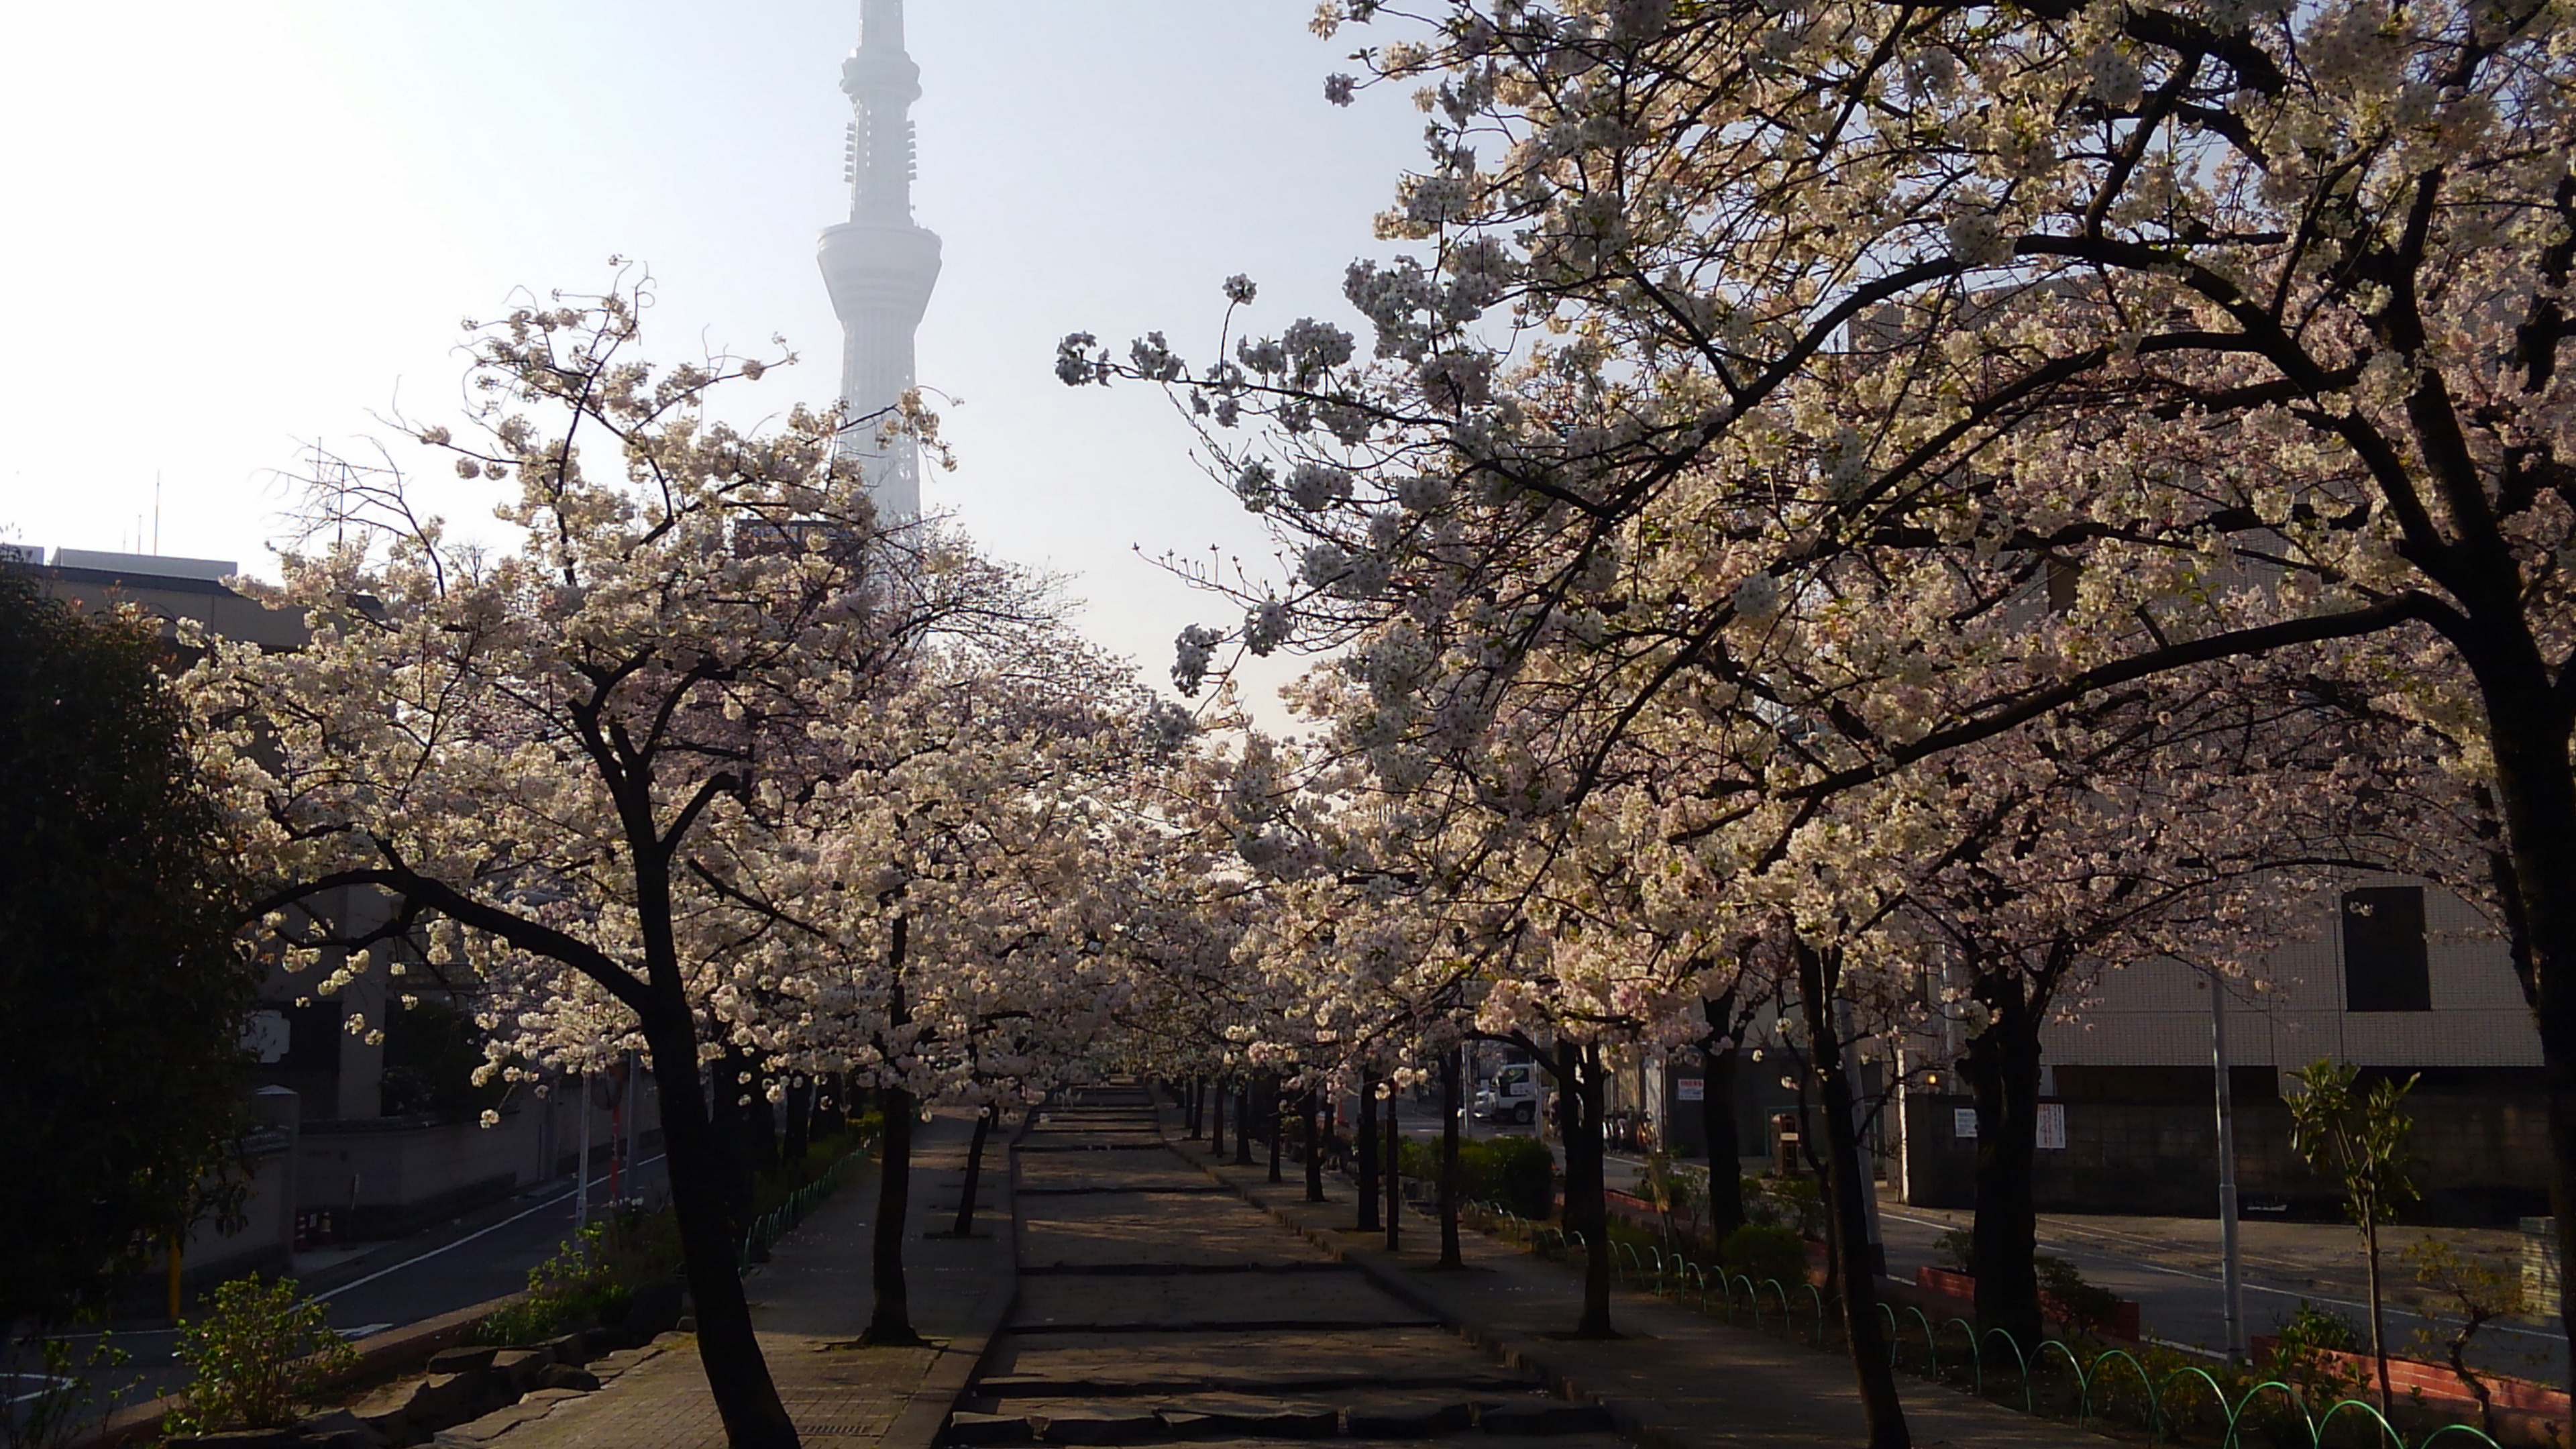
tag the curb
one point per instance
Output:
(394, 1348)
(925, 1416)
(1626, 1417)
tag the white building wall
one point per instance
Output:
(2290, 1011)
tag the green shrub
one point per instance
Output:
(2085, 1306)
(1796, 1203)
(1518, 1172)
(589, 1280)
(1958, 1248)
(258, 1357)
(2299, 1360)
(48, 1393)
(1761, 1251)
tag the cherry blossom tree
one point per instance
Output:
(544, 756)
(1767, 359)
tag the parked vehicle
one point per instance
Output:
(1511, 1097)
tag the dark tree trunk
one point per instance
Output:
(1717, 1118)
(1314, 1151)
(1847, 1211)
(1394, 1176)
(2002, 1067)
(831, 1105)
(760, 1125)
(965, 1225)
(800, 1118)
(1364, 1142)
(1272, 1093)
(1449, 1106)
(737, 1376)
(1195, 1117)
(1216, 1133)
(2527, 729)
(732, 1138)
(1577, 1070)
(890, 1317)
(1243, 1125)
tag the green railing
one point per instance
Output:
(778, 1222)
(2164, 1408)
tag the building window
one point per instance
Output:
(2384, 963)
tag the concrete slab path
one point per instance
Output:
(1157, 1306)
(1675, 1379)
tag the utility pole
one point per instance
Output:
(1849, 1048)
(2234, 1270)
(581, 1172)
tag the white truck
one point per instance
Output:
(1511, 1097)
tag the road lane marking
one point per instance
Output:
(565, 1197)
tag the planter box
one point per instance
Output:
(2436, 1382)
(2123, 1322)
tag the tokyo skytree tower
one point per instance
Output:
(879, 264)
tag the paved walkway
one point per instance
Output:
(1676, 1379)
(1156, 1305)
(809, 1301)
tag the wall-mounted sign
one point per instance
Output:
(1963, 1123)
(1690, 1089)
(2052, 1126)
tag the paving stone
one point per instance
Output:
(1548, 1418)
(1203, 1312)
(1409, 1421)
(967, 1427)
(1096, 1426)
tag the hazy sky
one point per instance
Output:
(238, 228)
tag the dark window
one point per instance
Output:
(313, 1037)
(2384, 965)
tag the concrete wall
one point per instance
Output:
(388, 1176)
(2481, 1154)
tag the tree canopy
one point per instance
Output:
(121, 994)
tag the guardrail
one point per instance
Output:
(2163, 1408)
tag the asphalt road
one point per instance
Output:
(457, 1264)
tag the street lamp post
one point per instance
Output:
(2233, 1270)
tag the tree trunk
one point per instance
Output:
(2378, 1311)
(725, 1127)
(890, 1318)
(800, 1118)
(2002, 1067)
(1578, 1122)
(1314, 1151)
(965, 1225)
(1243, 1125)
(1847, 1218)
(760, 1124)
(1272, 1092)
(1449, 1106)
(2527, 729)
(1364, 1141)
(737, 1376)
(831, 1105)
(1394, 1176)
(1196, 1120)
(1216, 1132)
(1717, 1118)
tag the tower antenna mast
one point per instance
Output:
(880, 264)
